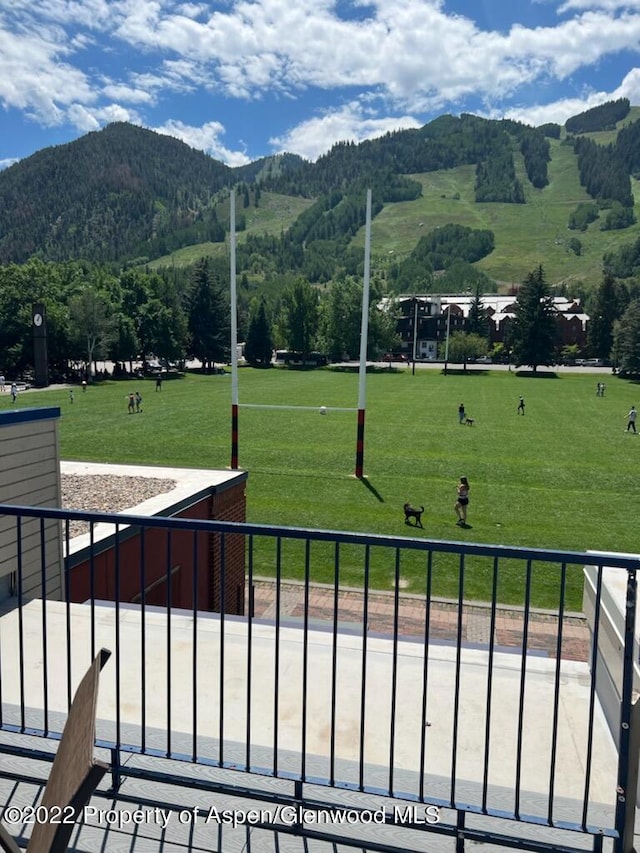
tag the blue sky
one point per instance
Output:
(242, 79)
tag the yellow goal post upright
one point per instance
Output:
(364, 330)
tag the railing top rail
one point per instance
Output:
(628, 562)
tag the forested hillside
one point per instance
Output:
(127, 195)
(105, 194)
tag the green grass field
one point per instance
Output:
(563, 476)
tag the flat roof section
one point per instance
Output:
(191, 485)
(216, 650)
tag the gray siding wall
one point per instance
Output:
(30, 476)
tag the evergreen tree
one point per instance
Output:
(259, 345)
(477, 322)
(209, 321)
(534, 324)
(608, 305)
(626, 340)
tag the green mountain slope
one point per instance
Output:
(125, 193)
(525, 235)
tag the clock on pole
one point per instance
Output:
(40, 359)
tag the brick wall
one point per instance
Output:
(184, 569)
(228, 557)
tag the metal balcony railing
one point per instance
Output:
(425, 709)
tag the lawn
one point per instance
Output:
(563, 476)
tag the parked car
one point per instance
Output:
(395, 356)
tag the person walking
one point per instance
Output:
(138, 401)
(462, 502)
(631, 419)
(2, 381)
(131, 404)
(14, 392)
(521, 406)
(461, 413)
(158, 383)
(71, 395)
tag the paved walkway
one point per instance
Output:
(443, 618)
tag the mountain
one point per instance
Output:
(545, 195)
(103, 194)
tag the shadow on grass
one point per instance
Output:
(530, 374)
(371, 368)
(365, 482)
(460, 371)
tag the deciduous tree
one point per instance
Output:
(626, 340)
(299, 320)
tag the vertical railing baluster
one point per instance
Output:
(456, 697)
(334, 663)
(627, 764)
(21, 663)
(305, 659)
(168, 635)
(143, 639)
(67, 611)
(490, 662)
(45, 644)
(394, 671)
(276, 660)
(221, 702)
(424, 723)
(592, 699)
(556, 693)
(92, 588)
(247, 759)
(523, 677)
(194, 642)
(363, 682)
(117, 634)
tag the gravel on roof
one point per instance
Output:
(107, 493)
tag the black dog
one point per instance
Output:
(413, 512)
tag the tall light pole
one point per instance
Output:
(415, 332)
(446, 344)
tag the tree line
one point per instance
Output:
(94, 314)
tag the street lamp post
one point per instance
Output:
(415, 332)
(446, 342)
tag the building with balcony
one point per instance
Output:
(424, 321)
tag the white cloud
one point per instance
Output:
(4, 164)
(35, 78)
(559, 111)
(411, 49)
(351, 123)
(78, 60)
(607, 5)
(204, 138)
(88, 118)
(134, 95)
